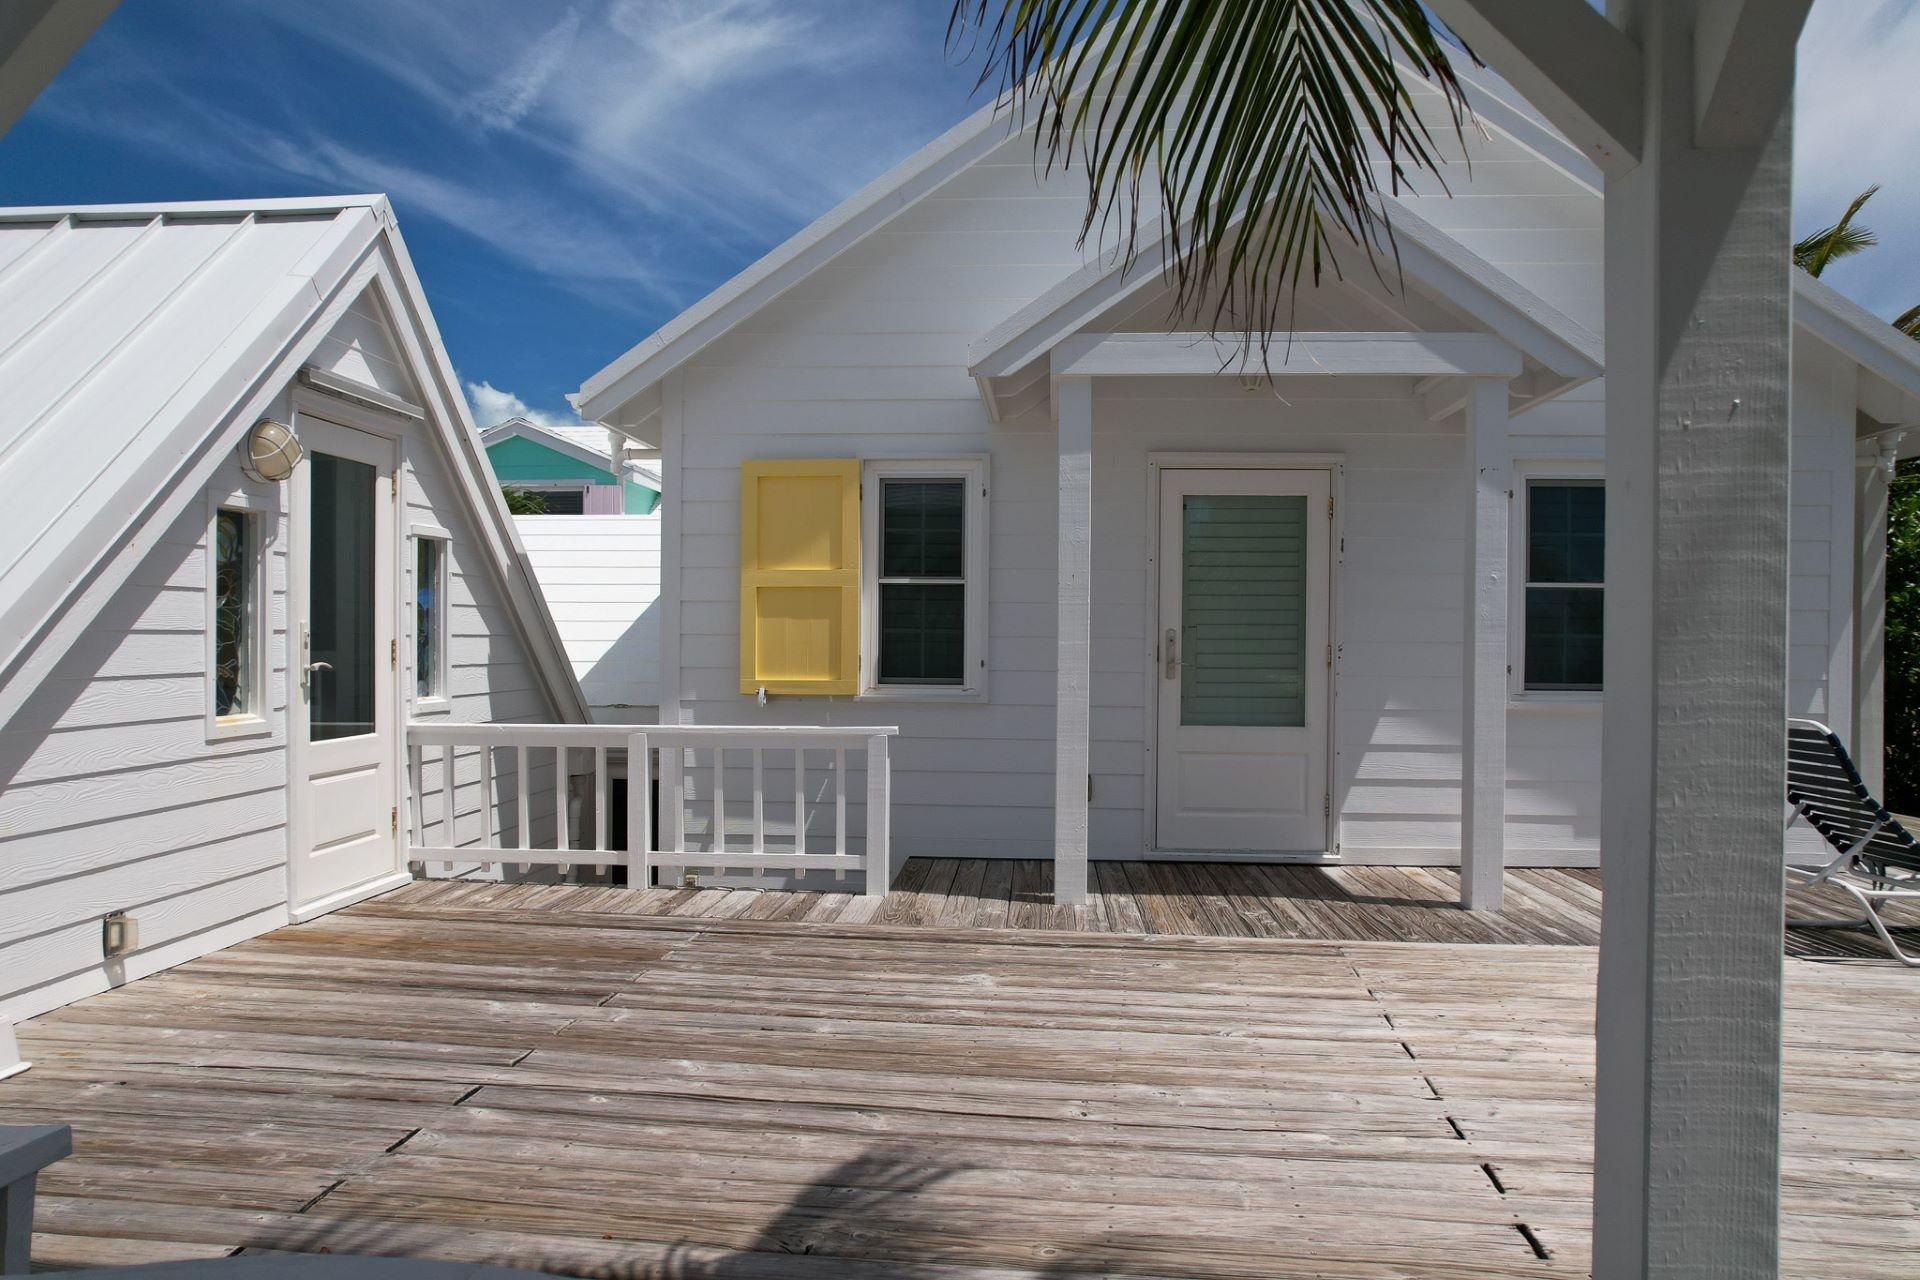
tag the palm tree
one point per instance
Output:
(1262, 127)
(1813, 253)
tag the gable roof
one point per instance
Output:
(610, 395)
(826, 238)
(585, 444)
(138, 344)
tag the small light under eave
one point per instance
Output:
(270, 451)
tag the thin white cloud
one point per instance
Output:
(507, 100)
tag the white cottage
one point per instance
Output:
(206, 670)
(1128, 594)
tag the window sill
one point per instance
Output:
(1571, 700)
(432, 706)
(920, 693)
(227, 728)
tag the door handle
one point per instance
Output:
(1172, 652)
(306, 674)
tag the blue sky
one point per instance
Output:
(569, 174)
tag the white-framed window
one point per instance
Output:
(1560, 570)
(924, 579)
(429, 574)
(237, 700)
(562, 498)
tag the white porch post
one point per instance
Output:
(1874, 478)
(1698, 300)
(1483, 758)
(1073, 400)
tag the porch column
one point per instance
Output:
(1483, 755)
(1874, 477)
(1073, 402)
(1698, 306)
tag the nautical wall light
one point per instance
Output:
(270, 452)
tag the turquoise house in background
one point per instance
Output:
(571, 468)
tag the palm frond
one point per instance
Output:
(523, 502)
(1814, 253)
(1908, 322)
(1261, 129)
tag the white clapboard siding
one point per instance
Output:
(601, 577)
(112, 797)
(867, 357)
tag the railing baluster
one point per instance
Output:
(879, 853)
(416, 820)
(759, 806)
(487, 838)
(840, 809)
(673, 824)
(600, 799)
(520, 789)
(799, 799)
(562, 835)
(639, 812)
(450, 840)
(719, 841)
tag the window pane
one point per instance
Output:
(1566, 533)
(426, 616)
(233, 640)
(1564, 637)
(922, 634)
(564, 502)
(1243, 610)
(920, 528)
(340, 581)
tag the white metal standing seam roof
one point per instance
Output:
(129, 337)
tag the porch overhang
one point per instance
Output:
(1015, 362)
(1888, 362)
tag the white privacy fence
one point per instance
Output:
(732, 798)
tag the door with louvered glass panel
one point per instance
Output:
(1245, 559)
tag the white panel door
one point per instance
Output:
(345, 701)
(1245, 561)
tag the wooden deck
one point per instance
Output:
(1553, 907)
(531, 1075)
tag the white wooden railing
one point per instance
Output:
(695, 831)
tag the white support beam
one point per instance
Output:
(1743, 68)
(37, 37)
(1576, 67)
(1073, 707)
(1873, 477)
(1335, 354)
(1483, 760)
(1699, 334)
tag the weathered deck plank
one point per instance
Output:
(557, 1077)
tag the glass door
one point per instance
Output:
(1242, 741)
(344, 707)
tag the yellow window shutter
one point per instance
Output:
(800, 575)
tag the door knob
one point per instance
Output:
(1172, 652)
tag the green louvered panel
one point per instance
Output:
(1243, 611)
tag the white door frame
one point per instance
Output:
(309, 404)
(1182, 460)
